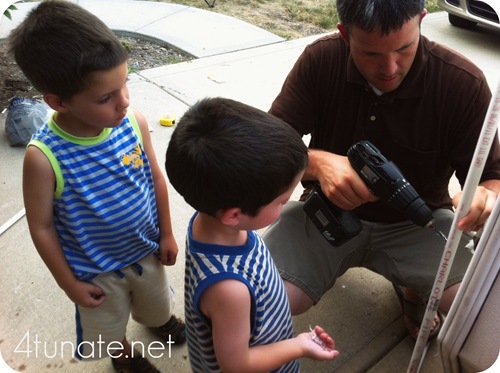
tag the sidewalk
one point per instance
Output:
(361, 311)
(198, 32)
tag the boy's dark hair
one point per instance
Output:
(226, 154)
(60, 44)
(382, 15)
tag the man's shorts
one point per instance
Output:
(402, 252)
(140, 290)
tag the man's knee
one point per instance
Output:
(299, 301)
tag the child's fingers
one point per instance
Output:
(324, 336)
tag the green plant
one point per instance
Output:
(127, 46)
(8, 10)
(431, 6)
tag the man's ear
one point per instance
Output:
(231, 217)
(424, 13)
(343, 32)
(54, 102)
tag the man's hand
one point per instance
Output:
(339, 181)
(480, 209)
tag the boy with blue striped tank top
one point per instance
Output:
(237, 166)
(96, 200)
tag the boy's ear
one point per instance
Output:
(54, 102)
(231, 217)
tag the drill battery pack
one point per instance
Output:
(335, 224)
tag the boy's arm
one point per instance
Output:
(227, 304)
(38, 191)
(168, 245)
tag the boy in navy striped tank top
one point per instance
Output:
(96, 200)
(237, 166)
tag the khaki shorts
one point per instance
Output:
(140, 290)
(404, 253)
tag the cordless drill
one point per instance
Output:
(387, 182)
(384, 179)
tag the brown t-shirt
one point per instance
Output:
(428, 126)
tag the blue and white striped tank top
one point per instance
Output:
(104, 203)
(251, 264)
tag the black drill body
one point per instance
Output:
(387, 182)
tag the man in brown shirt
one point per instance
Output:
(423, 106)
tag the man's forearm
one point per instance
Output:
(314, 164)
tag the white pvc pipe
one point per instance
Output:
(475, 171)
(12, 221)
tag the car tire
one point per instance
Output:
(461, 22)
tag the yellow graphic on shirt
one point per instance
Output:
(134, 158)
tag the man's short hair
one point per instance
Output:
(381, 15)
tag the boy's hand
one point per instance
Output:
(318, 345)
(86, 294)
(168, 250)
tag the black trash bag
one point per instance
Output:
(24, 118)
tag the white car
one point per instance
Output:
(468, 13)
